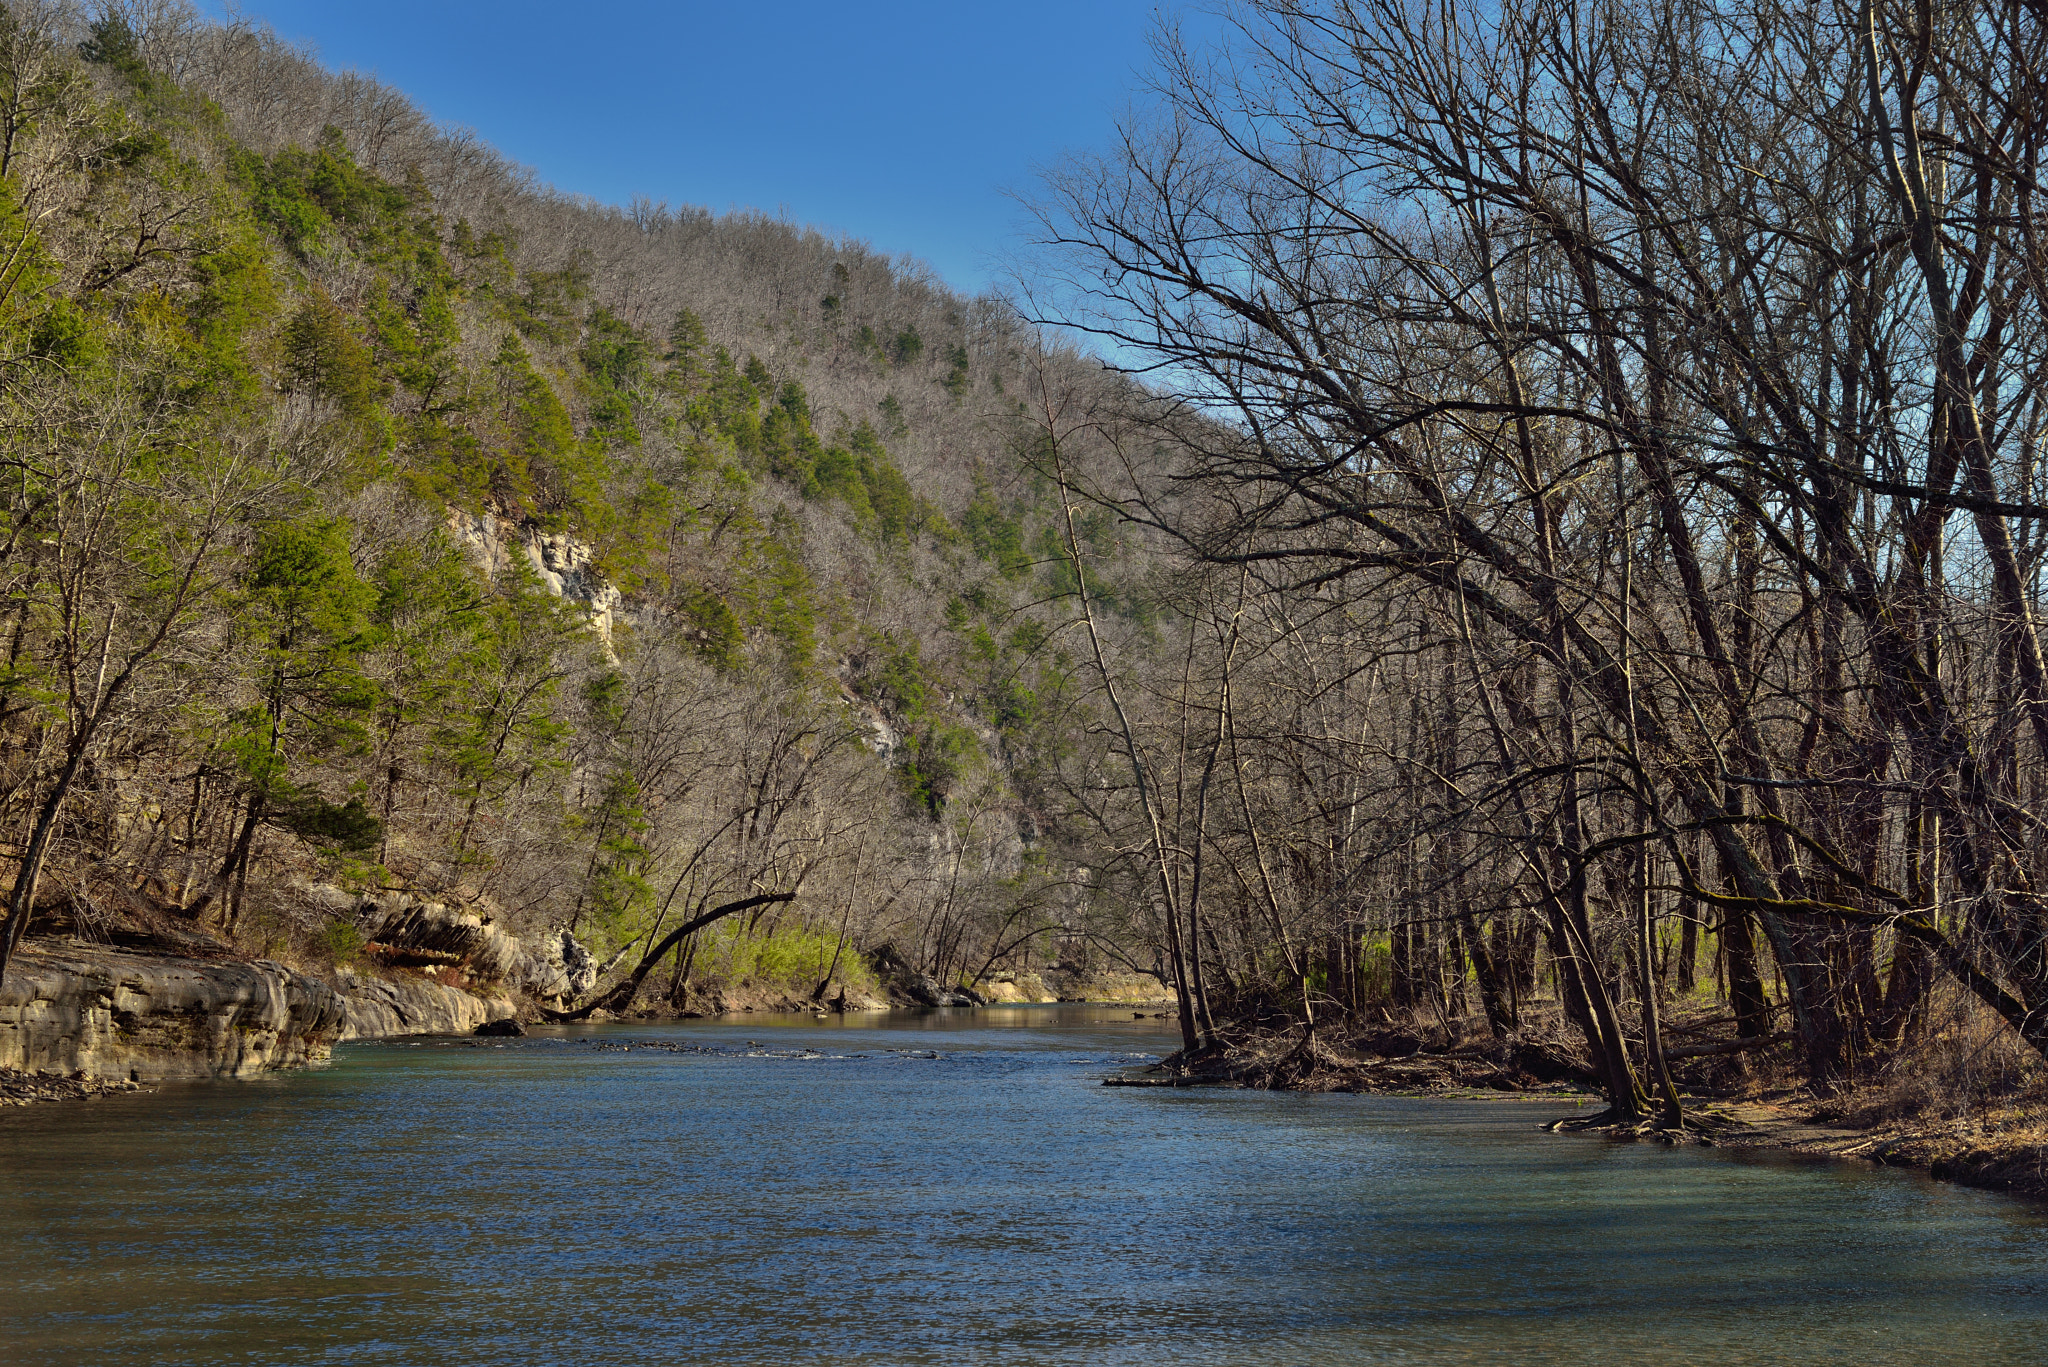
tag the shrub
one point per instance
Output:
(785, 958)
(344, 941)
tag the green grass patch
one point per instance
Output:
(782, 958)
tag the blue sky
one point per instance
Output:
(899, 123)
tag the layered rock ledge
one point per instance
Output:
(374, 1008)
(71, 1008)
(80, 1008)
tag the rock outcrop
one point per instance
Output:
(1008, 988)
(911, 986)
(1105, 986)
(562, 968)
(374, 1008)
(435, 938)
(406, 933)
(561, 562)
(70, 1007)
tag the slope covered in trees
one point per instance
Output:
(377, 517)
(1577, 563)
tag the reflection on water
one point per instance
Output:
(950, 1187)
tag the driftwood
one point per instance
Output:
(1735, 1046)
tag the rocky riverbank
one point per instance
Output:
(177, 1003)
(71, 1008)
(75, 1010)
(163, 1000)
(18, 1088)
(79, 1017)
(906, 985)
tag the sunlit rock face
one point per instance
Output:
(563, 564)
(403, 932)
(79, 1008)
(374, 1008)
(70, 1007)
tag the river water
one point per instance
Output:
(949, 1187)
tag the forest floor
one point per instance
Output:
(1997, 1143)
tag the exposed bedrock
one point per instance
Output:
(434, 937)
(374, 1008)
(69, 1007)
(79, 1008)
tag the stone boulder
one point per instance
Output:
(561, 968)
(907, 983)
(925, 990)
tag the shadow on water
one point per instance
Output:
(950, 1186)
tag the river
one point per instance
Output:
(952, 1187)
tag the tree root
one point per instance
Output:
(1211, 1065)
(1695, 1128)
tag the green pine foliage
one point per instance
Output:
(996, 535)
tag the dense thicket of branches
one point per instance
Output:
(1619, 430)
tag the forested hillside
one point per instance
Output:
(379, 519)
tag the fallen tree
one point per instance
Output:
(621, 993)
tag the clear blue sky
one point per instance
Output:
(899, 123)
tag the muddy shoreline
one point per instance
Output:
(2002, 1149)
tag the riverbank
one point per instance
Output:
(2002, 1149)
(81, 1017)
(899, 988)
(19, 1088)
(2001, 1146)
(101, 1016)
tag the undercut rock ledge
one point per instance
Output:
(75, 1008)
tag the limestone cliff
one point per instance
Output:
(69, 1007)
